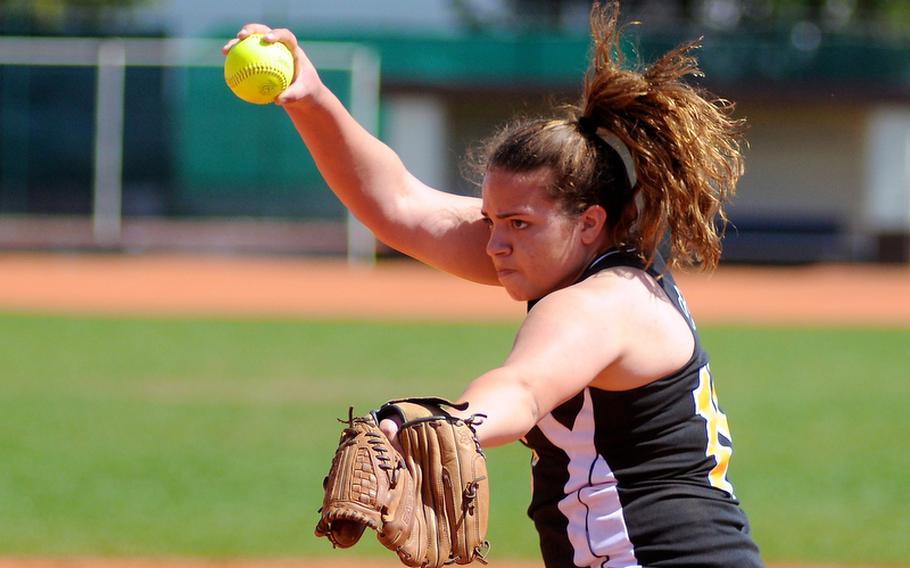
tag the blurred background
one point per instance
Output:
(204, 432)
(118, 132)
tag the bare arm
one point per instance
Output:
(564, 345)
(616, 331)
(441, 229)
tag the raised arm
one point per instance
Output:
(441, 229)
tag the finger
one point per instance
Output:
(227, 47)
(244, 33)
(291, 94)
(282, 35)
(283, 98)
(253, 28)
(389, 427)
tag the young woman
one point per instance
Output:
(607, 381)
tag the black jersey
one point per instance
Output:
(639, 477)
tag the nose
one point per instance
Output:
(497, 245)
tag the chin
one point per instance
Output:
(519, 297)
(518, 294)
(520, 289)
(510, 290)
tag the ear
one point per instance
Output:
(592, 220)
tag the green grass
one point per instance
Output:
(157, 437)
(820, 420)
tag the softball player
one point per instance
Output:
(607, 381)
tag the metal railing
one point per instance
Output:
(111, 57)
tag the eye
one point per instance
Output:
(488, 222)
(518, 224)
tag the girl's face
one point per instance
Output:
(535, 246)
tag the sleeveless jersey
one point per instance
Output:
(639, 477)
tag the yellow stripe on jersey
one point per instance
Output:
(716, 425)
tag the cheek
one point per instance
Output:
(560, 239)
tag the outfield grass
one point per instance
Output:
(155, 437)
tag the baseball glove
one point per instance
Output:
(429, 503)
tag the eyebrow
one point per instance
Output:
(505, 214)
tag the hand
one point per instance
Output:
(389, 427)
(305, 83)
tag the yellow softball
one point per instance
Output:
(257, 71)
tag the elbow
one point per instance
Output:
(531, 404)
(534, 411)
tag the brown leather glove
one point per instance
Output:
(429, 503)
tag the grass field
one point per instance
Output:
(186, 437)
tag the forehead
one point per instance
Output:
(507, 189)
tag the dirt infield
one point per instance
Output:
(320, 563)
(295, 287)
(176, 563)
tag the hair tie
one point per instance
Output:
(588, 126)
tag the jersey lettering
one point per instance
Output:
(684, 307)
(719, 440)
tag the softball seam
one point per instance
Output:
(245, 73)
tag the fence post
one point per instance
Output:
(365, 109)
(109, 103)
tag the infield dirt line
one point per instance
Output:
(400, 289)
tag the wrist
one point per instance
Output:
(305, 102)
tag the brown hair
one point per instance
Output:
(685, 148)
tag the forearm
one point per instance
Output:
(509, 404)
(365, 174)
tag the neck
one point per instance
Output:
(605, 244)
(589, 258)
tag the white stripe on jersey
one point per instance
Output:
(597, 529)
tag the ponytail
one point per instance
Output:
(685, 145)
(660, 156)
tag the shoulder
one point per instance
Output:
(610, 292)
(622, 315)
(595, 309)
